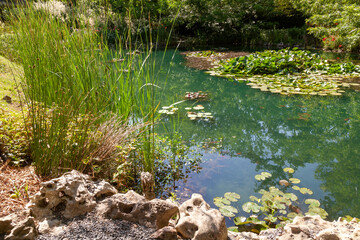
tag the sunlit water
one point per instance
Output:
(256, 131)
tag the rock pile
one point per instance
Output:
(106, 213)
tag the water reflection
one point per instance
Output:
(317, 136)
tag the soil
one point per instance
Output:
(203, 63)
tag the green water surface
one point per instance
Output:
(256, 131)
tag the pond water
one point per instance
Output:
(256, 131)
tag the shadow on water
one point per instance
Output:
(256, 131)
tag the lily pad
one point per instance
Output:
(294, 180)
(306, 191)
(251, 207)
(312, 202)
(231, 196)
(198, 107)
(263, 176)
(289, 170)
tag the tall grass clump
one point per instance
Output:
(74, 84)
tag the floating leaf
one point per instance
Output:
(226, 212)
(294, 180)
(284, 183)
(292, 215)
(291, 196)
(251, 206)
(222, 200)
(312, 202)
(317, 211)
(198, 107)
(289, 170)
(262, 176)
(229, 209)
(253, 198)
(306, 191)
(231, 196)
(296, 188)
(218, 202)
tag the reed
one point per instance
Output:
(74, 83)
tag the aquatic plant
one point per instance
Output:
(200, 95)
(273, 209)
(72, 88)
(288, 72)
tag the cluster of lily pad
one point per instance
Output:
(168, 110)
(200, 95)
(288, 72)
(197, 113)
(273, 209)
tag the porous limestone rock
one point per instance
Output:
(199, 222)
(243, 236)
(7, 223)
(135, 208)
(313, 227)
(71, 195)
(24, 230)
(165, 233)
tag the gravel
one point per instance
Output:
(91, 227)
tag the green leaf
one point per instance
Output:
(292, 215)
(312, 202)
(306, 191)
(230, 209)
(251, 206)
(291, 196)
(231, 196)
(233, 229)
(224, 211)
(241, 221)
(317, 211)
(289, 170)
(253, 198)
(294, 180)
(296, 188)
(262, 176)
(220, 201)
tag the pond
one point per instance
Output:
(254, 131)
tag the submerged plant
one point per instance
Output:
(273, 209)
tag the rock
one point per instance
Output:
(313, 227)
(6, 224)
(199, 222)
(53, 226)
(10, 221)
(165, 233)
(73, 194)
(25, 230)
(242, 236)
(147, 185)
(135, 208)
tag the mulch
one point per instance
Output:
(20, 178)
